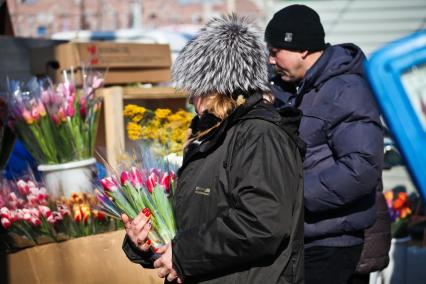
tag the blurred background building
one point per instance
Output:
(368, 23)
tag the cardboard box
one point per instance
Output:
(93, 259)
(126, 62)
(113, 55)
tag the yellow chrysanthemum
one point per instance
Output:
(162, 113)
(134, 130)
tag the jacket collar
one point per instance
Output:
(215, 137)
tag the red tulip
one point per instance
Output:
(6, 223)
(83, 110)
(5, 212)
(172, 175)
(124, 177)
(152, 181)
(165, 181)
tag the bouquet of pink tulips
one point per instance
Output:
(144, 191)
(57, 124)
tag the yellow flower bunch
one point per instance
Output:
(166, 130)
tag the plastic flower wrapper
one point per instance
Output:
(143, 189)
(90, 106)
(62, 120)
(30, 120)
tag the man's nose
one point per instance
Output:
(271, 60)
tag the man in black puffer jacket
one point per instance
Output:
(341, 126)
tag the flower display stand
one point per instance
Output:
(111, 132)
(93, 259)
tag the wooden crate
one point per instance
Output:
(112, 132)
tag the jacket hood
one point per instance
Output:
(336, 59)
(227, 57)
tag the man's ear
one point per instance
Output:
(304, 54)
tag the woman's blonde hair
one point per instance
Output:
(221, 106)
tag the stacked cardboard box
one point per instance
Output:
(125, 62)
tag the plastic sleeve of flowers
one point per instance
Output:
(163, 205)
(48, 157)
(158, 223)
(48, 138)
(76, 135)
(93, 125)
(108, 206)
(122, 203)
(133, 196)
(47, 229)
(22, 228)
(27, 137)
(66, 143)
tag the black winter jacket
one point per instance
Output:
(239, 202)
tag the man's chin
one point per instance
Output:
(287, 78)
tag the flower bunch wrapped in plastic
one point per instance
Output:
(399, 206)
(31, 218)
(146, 191)
(57, 124)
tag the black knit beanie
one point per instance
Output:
(296, 27)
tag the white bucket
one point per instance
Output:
(64, 179)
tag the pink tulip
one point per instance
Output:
(125, 177)
(35, 222)
(23, 187)
(27, 116)
(109, 184)
(6, 223)
(45, 211)
(63, 210)
(97, 82)
(13, 197)
(136, 177)
(16, 215)
(27, 215)
(70, 110)
(34, 212)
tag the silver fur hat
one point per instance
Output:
(227, 56)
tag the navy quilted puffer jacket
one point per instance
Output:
(343, 163)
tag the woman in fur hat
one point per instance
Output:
(239, 197)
